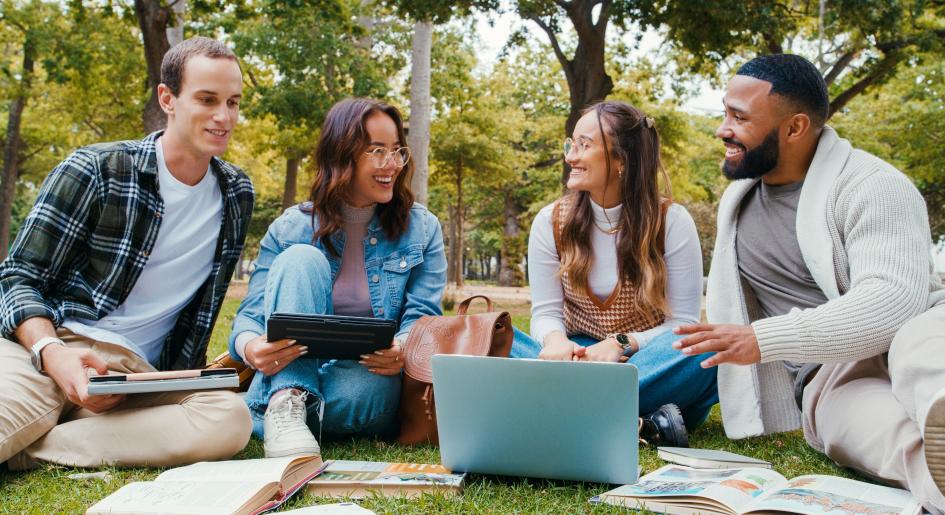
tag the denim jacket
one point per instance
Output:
(406, 277)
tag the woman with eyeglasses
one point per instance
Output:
(360, 247)
(614, 265)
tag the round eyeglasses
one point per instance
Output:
(579, 145)
(380, 157)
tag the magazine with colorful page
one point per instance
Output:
(682, 490)
(357, 479)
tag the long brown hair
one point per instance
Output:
(633, 142)
(342, 141)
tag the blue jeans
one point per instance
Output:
(355, 401)
(666, 375)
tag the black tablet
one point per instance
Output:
(332, 336)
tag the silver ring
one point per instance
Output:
(277, 362)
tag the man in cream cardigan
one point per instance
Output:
(822, 294)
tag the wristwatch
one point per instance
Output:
(625, 343)
(36, 351)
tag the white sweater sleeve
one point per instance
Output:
(543, 264)
(683, 256)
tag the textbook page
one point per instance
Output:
(268, 469)
(816, 495)
(733, 488)
(176, 497)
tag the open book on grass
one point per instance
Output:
(215, 487)
(683, 490)
(357, 479)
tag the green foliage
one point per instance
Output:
(306, 56)
(439, 11)
(857, 44)
(89, 82)
(497, 137)
(22, 203)
(903, 123)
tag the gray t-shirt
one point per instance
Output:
(769, 256)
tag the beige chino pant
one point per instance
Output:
(38, 423)
(869, 415)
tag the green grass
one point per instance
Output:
(47, 490)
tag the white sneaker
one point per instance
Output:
(935, 439)
(284, 429)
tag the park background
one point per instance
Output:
(490, 88)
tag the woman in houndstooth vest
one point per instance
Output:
(614, 265)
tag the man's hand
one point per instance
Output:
(69, 368)
(735, 344)
(605, 350)
(386, 362)
(558, 348)
(271, 357)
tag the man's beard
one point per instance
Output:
(755, 162)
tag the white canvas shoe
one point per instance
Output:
(935, 439)
(284, 429)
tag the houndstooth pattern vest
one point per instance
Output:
(619, 313)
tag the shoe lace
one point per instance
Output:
(289, 412)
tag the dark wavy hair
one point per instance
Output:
(629, 137)
(342, 142)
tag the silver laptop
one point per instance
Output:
(543, 419)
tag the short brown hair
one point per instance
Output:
(172, 67)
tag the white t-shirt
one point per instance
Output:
(178, 265)
(682, 253)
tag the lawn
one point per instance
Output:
(48, 490)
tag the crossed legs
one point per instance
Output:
(877, 415)
(38, 424)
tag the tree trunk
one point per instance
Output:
(11, 149)
(453, 248)
(418, 139)
(153, 20)
(457, 252)
(509, 274)
(291, 181)
(175, 31)
(586, 73)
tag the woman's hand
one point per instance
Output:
(271, 357)
(386, 362)
(606, 350)
(558, 347)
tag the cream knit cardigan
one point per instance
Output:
(864, 234)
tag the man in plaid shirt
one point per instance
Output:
(122, 265)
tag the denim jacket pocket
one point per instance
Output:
(397, 267)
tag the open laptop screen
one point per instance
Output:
(544, 419)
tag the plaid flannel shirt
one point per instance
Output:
(88, 237)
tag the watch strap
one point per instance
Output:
(37, 350)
